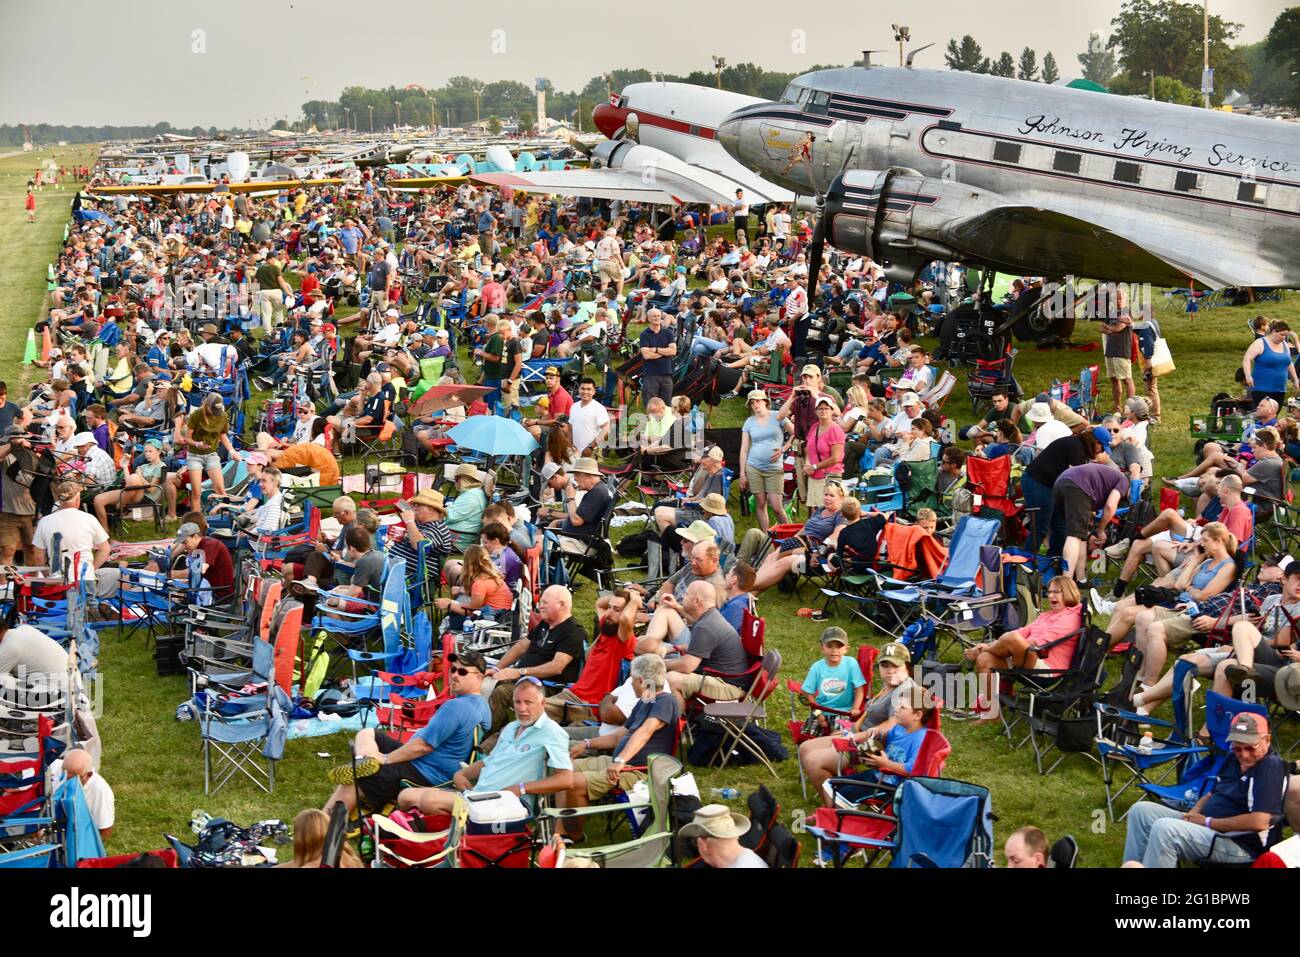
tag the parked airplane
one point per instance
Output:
(496, 159)
(662, 149)
(919, 165)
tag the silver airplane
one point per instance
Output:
(909, 166)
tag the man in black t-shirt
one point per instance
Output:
(658, 347)
(553, 651)
(582, 519)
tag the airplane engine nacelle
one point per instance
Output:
(898, 217)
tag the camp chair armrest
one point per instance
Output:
(560, 813)
(1110, 711)
(885, 791)
(369, 656)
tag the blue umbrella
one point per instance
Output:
(493, 435)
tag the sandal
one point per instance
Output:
(348, 774)
(805, 612)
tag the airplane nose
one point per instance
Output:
(608, 118)
(729, 136)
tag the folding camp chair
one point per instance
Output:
(735, 716)
(866, 664)
(238, 732)
(652, 847)
(934, 822)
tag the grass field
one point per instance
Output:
(153, 762)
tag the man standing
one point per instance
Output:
(588, 421)
(741, 209)
(272, 292)
(553, 650)
(17, 507)
(429, 759)
(609, 260)
(658, 347)
(1117, 346)
(379, 281)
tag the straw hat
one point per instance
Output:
(469, 472)
(717, 821)
(585, 467)
(698, 531)
(1286, 687)
(714, 504)
(430, 498)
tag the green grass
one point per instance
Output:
(153, 762)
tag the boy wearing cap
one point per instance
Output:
(1233, 824)
(835, 680)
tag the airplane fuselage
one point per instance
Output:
(1214, 194)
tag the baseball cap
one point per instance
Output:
(83, 438)
(810, 369)
(910, 398)
(835, 635)
(256, 458)
(824, 400)
(185, 531)
(550, 469)
(1247, 728)
(714, 452)
(394, 313)
(895, 653)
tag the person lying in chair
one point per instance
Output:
(525, 750)
(430, 758)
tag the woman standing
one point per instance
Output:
(202, 433)
(762, 453)
(1268, 365)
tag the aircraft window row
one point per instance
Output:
(1128, 172)
(1005, 152)
(1067, 162)
(819, 102)
(1252, 192)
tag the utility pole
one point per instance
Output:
(901, 36)
(1152, 74)
(719, 64)
(1205, 45)
(433, 114)
(372, 118)
(398, 104)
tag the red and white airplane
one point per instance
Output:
(663, 148)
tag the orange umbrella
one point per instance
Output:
(441, 397)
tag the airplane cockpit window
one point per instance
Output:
(1004, 152)
(1128, 172)
(793, 93)
(819, 102)
(1186, 181)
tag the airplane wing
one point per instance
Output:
(1060, 244)
(648, 185)
(425, 182)
(254, 186)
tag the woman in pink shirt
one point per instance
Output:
(1024, 647)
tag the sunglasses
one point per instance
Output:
(529, 679)
(462, 672)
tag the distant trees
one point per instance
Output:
(1050, 73)
(1098, 61)
(1027, 68)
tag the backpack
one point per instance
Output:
(708, 740)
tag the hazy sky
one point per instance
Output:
(135, 61)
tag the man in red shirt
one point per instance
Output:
(615, 643)
(560, 404)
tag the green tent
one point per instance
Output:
(1082, 84)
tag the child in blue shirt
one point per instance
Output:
(900, 748)
(836, 681)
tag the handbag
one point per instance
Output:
(1150, 596)
(1162, 361)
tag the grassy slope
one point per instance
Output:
(153, 762)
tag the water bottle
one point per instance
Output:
(727, 794)
(467, 631)
(1056, 390)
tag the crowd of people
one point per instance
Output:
(571, 314)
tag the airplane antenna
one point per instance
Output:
(866, 57)
(915, 52)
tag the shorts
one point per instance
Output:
(684, 516)
(611, 271)
(202, 461)
(598, 784)
(381, 787)
(16, 530)
(1178, 627)
(710, 687)
(1119, 368)
(1073, 503)
(770, 483)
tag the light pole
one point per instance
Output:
(1152, 75)
(372, 118)
(478, 103)
(347, 123)
(719, 64)
(433, 114)
(609, 84)
(1205, 47)
(901, 36)
(398, 104)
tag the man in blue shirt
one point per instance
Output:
(1235, 823)
(658, 347)
(524, 751)
(430, 758)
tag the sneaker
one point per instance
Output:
(1100, 605)
(1119, 550)
(1238, 674)
(347, 774)
(1146, 744)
